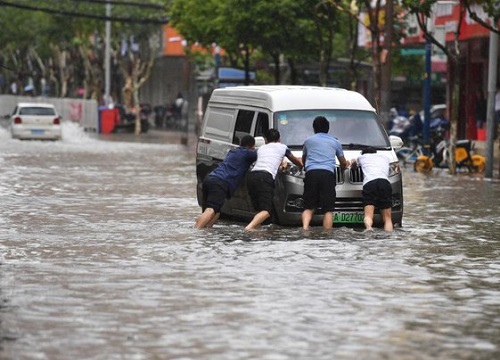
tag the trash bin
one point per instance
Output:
(481, 134)
(108, 118)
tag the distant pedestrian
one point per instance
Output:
(223, 181)
(481, 106)
(13, 88)
(377, 190)
(496, 120)
(3, 84)
(318, 157)
(178, 104)
(260, 182)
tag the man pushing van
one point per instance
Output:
(318, 157)
(260, 182)
(222, 182)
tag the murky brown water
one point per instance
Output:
(99, 260)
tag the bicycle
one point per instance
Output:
(409, 155)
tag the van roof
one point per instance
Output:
(288, 97)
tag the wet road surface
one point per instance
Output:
(100, 260)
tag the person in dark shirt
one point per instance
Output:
(223, 181)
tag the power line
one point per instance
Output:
(159, 21)
(111, 2)
(126, 3)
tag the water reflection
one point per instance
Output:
(101, 261)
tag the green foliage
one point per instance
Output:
(299, 30)
(38, 33)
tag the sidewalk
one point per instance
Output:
(155, 136)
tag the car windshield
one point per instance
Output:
(351, 127)
(36, 111)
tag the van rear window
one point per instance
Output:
(348, 126)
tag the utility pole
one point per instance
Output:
(107, 56)
(490, 115)
(427, 96)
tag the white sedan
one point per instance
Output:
(35, 121)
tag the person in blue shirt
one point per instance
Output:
(223, 181)
(318, 157)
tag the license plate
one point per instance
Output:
(348, 217)
(37, 132)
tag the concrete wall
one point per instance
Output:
(83, 112)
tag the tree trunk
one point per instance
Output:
(386, 62)
(454, 110)
(247, 65)
(277, 70)
(137, 112)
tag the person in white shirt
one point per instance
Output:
(260, 182)
(377, 190)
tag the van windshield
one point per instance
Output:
(348, 126)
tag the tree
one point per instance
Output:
(136, 60)
(490, 7)
(379, 22)
(64, 44)
(424, 13)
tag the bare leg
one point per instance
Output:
(307, 215)
(258, 219)
(214, 220)
(205, 218)
(369, 210)
(386, 216)
(328, 220)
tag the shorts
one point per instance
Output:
(378, 193)
(319, 190)
(215, 192)
(260, 185)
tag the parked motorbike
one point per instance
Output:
(440, 156)
(127, 119)
(400, 126)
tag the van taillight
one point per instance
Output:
(56, 121)
(17, 120)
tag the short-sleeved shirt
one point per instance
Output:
(234, 167)
(374, 166)
(270, 156)
(320, 151)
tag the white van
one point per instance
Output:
(234, 112)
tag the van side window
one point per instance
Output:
(243, 125)
(262, 124)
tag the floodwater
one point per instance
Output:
(100, 260)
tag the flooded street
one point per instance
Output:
(99, 260)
